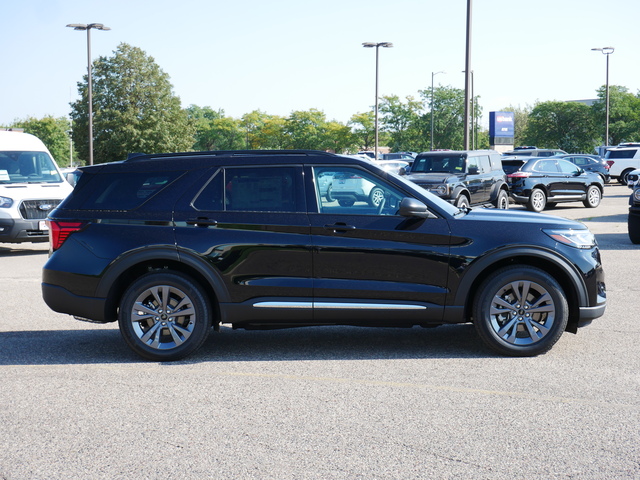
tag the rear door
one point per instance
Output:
(249, 225)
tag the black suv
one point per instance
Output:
(173, 245)
(463, 177)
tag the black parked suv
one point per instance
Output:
(173, 245)
(462, 177)
(633, 222)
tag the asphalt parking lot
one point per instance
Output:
(323, 403)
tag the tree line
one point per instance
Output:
(135, 110)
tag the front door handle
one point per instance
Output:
(202, 222)
(339, 227)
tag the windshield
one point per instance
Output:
(439, 163)
(27, 167)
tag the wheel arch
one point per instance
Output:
(564, 272)
(134, 264)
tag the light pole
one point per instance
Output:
(473, 114)
(88, 27)
(433, 74)
(606, 51)
(377, 46)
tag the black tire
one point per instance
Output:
(346, 202)
(537, 200)
(164, 316)
(462, 202)
(623, 176)
(633, 224)
(593, 197)
(376, 197)
(520, 311)
(502, 201)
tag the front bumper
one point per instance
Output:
(19, 230)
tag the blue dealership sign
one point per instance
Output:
(501, 124)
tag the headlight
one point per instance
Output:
(573, 238)
(6, 202)
(442, 190)
(636, 195)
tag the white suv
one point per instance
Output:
(30, 187)
(622, 161)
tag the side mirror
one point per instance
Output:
(410, 207)
(473, 170)
(402, 171)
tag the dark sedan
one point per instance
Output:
(540, 183)
(590, 163)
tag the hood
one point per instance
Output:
(432, 177)
(521, 216)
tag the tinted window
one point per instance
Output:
(123, 191)
(439, 163)
(545, 166)
(621, 153)
(256, 189)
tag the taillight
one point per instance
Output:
(59, 231)
(610, 163)
(519, 175)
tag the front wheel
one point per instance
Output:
(376, 197)
(462, 202)
(164, 316)
(593, 197)
(537, 200)
(520, 311)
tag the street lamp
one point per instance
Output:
(606, 51)
(377, 46)
(433, 74)
(473, 114)
(88, 27)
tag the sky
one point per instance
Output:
(288, 55)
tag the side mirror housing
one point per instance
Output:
(410, 207)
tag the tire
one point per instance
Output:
(623, 176)
(502, 201)
(520, 311)
(376, 197)
(593, 197)
(633, 224)
(462, 202)
(329, 194)
(164, 316)
(537, 200)
(346, 202)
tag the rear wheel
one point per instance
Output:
(623, 176)
(346, 202)
(593, 197)
(503, 200)
(164, 316)
(537, 200)
(520, 311)
(376, 196)
(633, 223)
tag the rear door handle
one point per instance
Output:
(202, 222)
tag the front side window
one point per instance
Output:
(568, 167)
(354, 191)
(439, 163)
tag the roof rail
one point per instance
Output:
(141, 156)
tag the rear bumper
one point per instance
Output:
(61, 300)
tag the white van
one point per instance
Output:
(623, 160)
(30, 187)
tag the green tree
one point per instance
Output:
(401, 121)
(565, 125)
(306, 130)
(214, 130)
(363, 128)
(54, 133)
(339, 138)
(624, 115)
(448, 109)
(252, 125)
(135, 109)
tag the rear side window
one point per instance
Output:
(123, 190)
(252, 189)
(621, 153)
